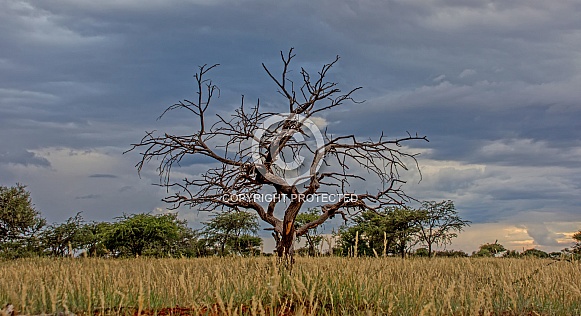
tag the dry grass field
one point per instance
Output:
(317, 286)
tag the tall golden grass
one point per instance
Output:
(316, 286)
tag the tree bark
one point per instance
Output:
(285, 244)
(311, 245)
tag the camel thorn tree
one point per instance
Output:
(283, 154)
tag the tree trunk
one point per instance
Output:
(312, 251)
(285, 244)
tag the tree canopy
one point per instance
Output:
(136, 234)
(18, 217)
(20, 222)
(391, 230)
(233, 232)
(577, 238)
(312, 237)
(439, 223)
(65, 239)
(489, 250)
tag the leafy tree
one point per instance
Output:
(95, 238)
(391, 230)
(407, 234)
(367, 233)
(535, 253)
(190, 244)
(577, 238)
(512, 254)
(247, 245)
(75, 235)
(144, 234)
(20, 222)
(232, 232)
(421, 252)
(451, 254)
(312, 236)
(65, 239)
(489, 250)
(439, 224)
(251, 160)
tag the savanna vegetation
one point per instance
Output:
(154, 271)
(316, 286)
(25, 234)
(392, 231)
(385, 259)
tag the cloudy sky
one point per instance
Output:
(491, 83)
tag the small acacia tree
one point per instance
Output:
(439, 224)
(392, 230)
(139, 234)
(489, 250)
(577, 238)
(65, 239)
(312, 236)
(252, 149)
(20, 222)
(234, 231)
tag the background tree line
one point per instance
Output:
(24, 233)
(395, 231)
(398, 230)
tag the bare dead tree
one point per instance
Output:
(249, 149)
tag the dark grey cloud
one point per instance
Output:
(103, 175)
(23, 157)
(88, 197)
(465, 122)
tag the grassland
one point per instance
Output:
(317, 286)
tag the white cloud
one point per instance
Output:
(543, 236)
(439, 78)
(320, 122)
(467, 73)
